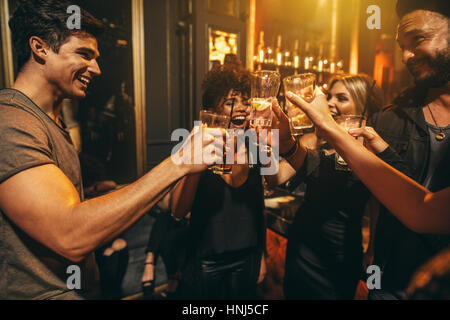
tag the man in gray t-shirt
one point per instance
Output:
(47, 232)
(30, 138)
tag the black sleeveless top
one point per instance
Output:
(226, 219)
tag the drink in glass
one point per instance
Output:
(264, 87)
(261, 113)
(348, 122)
(302, 85)
(214, 121)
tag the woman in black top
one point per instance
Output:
(227, 233)
(324, 251)
(227, 236)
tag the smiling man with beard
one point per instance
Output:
(417, 126)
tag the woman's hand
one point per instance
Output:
(317, 111)
(281, 122)
(372, 140)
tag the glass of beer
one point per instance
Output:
(302, 85)
(348, 122)
(214, 121)
(264, 87)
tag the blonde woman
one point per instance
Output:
(349, 94)
(324, 251)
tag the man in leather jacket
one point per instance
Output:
(417, 127)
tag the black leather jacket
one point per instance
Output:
(398, 250)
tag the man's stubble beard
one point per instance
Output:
(440, 70)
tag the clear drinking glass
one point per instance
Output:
(302, 85)
(214, 121)
(264, 87)
(348, 122)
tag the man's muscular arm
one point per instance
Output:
(43, 202)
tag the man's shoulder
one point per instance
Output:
(10, 96)
(14, 111)
(25, 142)
(17, 122)
(388, 114)
(411, 98)
(407, 102)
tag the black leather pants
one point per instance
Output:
(231, 275)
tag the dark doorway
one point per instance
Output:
(107, 116)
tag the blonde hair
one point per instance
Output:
(366, 94)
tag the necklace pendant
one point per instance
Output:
(440, 136)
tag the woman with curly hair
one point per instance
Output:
(227, 233)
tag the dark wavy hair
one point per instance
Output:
(406, 6)
(47, 19)
(218, 83)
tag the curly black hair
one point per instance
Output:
(47, 19)
(218, 83)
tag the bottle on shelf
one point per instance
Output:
(320, 59)
(260, 49)
(278, 51)
(287, 59)
(340, 66)
(269, 56)
(332, 67)
(296, 56)
(309, 60)
(326, 60)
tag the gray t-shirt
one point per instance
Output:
(29, 270)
